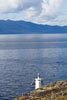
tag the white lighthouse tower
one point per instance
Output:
(38, 82)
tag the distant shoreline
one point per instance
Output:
(23, 27)
(31, 33)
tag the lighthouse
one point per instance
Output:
(38, 82)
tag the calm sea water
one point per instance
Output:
(23, 56)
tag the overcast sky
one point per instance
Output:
(53, 12)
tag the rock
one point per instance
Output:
(54, 91)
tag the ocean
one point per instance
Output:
(22, 57)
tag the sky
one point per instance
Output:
(52, 12)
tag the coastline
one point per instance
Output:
(53, 91)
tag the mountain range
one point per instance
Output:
(23, 27)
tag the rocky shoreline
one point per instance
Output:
(54, 91)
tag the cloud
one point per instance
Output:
(10, 6)
(51, 9)
(34, 9)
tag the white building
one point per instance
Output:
(38, 82)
